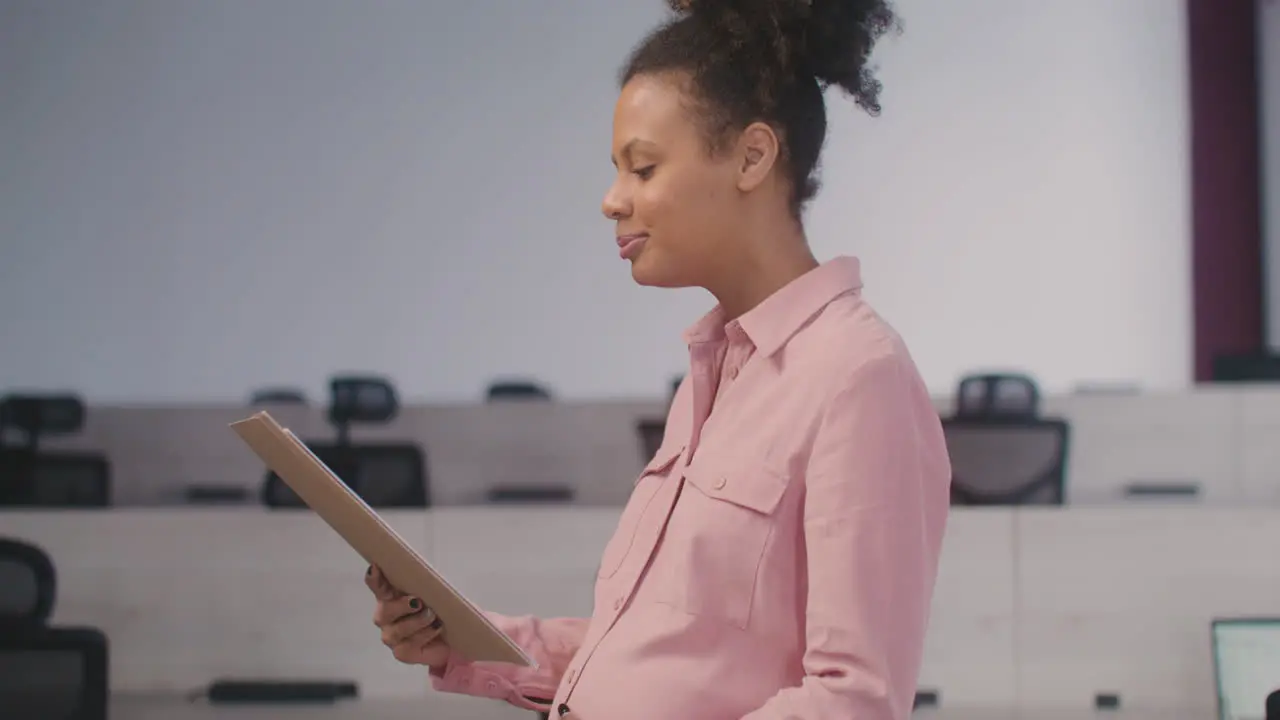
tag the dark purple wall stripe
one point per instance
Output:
(1226, 239)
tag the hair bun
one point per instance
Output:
(830, 40)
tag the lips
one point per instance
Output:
(630, 245)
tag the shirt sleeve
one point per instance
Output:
(551, 642)
(876, 501)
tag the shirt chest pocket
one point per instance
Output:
(710, 560)
(647, 486)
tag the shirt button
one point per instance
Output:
(617, 604)
(733, 373)
(720, 483)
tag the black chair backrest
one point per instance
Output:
(516, 390)
(997, 395)
(651, 433)
(1262, 366)
(360, 399)
(54, 674)
(46, 673)
(386, 475)
(28, 584)
(1014, 461)
(36, 416)
(62, 479)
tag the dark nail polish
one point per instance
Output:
(415, 604)
(563, 709)
(436, 624)
(369, 572)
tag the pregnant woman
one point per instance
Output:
(777, 556)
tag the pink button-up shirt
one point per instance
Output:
(777, 556)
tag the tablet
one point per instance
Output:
(467, 630)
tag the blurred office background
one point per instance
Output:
(380, 221)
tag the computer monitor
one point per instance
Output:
(1246, 665)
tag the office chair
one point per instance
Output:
(651, 432)
(366, 400)
(504, 390)
(46, 673)
(997, 395)
(537, 483)
(32, 477)
(1011, 461)
(28, 584)
(1260, 366)
(382, 474)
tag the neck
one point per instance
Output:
(771, 256)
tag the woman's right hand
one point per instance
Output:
(409, 627)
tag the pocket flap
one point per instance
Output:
(662, 460)
(758, 488)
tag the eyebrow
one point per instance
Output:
(626, 149)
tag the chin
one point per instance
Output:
(649, 270)
(646, 272)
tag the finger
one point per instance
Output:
(410, 627)
(413, 649)
(414, 643)
(378, 583)
(428, 637)
(417, 640)
(389, 612)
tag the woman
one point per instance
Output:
(777, 556)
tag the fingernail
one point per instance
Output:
(415, 604)
(563, 709)
(435, 624)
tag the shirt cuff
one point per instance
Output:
(464, 677)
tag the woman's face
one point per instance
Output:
(673, 202)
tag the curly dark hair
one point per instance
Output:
(770, 61)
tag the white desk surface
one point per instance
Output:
(447, 707)
(437, 706)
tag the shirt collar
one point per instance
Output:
(774, 321)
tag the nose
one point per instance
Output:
(616, 205)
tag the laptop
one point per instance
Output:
(1246, 665)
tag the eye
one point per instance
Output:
(643, 173)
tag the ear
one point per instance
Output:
(758, 149)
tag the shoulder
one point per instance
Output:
(847, 372)
(875, 416)
(849, 347)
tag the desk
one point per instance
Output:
(444, 707)
(436, 706)
(1033, 607)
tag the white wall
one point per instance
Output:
(199, 198)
